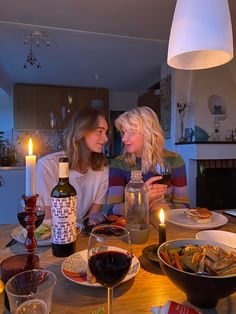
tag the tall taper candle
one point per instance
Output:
(30, 175)
(162, 227)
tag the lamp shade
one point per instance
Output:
(201, 35)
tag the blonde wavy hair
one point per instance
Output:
(82, 122)
(144, 120)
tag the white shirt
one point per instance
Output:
(91, 187)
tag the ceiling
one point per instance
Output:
(118, 45)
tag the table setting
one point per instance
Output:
(140, 277)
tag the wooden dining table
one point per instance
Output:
(149, 288)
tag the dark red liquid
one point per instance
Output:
(109, 267)
(165, 178)
(39, 215)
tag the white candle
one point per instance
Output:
(30, 175)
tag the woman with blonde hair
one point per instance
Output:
(85, 137)
(143, 141)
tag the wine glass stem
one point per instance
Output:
(109, 300)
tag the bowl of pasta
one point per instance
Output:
(204, 270)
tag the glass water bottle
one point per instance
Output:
(137, 208)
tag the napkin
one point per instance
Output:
(172, 307)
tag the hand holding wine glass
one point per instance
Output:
(163, 170)
(109, 256)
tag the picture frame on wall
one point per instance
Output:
(165, 105)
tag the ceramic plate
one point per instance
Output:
(224, 237)
(19, 234)
(150, 252)
(75, 267)
(179, 218)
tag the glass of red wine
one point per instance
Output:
(39, 212)
(109, 256)
(163, 170)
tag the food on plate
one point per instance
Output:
(200, 215)
(201, 259)
(43, 232)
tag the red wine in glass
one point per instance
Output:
(163, 170)
(109, 267)
(39, 212)
(109, 256)
(165, 178)
(39, 218)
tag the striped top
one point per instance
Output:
(120, 174)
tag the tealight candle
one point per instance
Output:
(30, 175)
(162, 227)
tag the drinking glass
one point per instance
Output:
(109, 256)
(31, 292)
(39, 212)
(163, 170)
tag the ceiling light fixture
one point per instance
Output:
(36, 38)
(201, 35)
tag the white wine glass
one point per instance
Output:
(39, 212)
(109, 257)
(163, 170)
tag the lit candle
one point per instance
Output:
(30, 176)
(162, 227)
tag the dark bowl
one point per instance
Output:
(202, 291)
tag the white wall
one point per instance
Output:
(6, 112)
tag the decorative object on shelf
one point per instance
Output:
(182, 107)
(8, 154)
(217, 107)
(188, 134)
(193, 44)
(200, 134)
(35, 38)
(70, 100)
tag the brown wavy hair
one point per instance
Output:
(82, 122)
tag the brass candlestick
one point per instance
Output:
(30, 241)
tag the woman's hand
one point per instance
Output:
(155, 191)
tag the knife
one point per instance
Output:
(10, 243)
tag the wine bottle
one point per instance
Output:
(63, 211)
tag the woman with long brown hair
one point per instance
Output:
(85, 137)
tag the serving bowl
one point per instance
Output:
(201, 290)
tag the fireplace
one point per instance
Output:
(216, 184)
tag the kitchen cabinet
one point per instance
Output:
(34, 105)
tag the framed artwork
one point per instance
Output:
(165, 105)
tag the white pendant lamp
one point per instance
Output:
(201, 35)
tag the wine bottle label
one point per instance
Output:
(63, 212)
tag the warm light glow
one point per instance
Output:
(30, 147)
(162, 216)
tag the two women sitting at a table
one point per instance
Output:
(143, 141)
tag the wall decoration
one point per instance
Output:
(165, 105)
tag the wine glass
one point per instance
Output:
(163, 170)
(109, 256)
(39, 212)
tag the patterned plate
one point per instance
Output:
(75, 266)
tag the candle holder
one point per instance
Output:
(30, 241)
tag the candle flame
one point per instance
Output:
(162, 216)
(30, 147)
